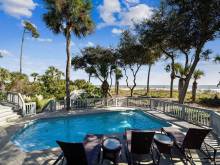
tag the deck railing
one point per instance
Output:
(17, 100)
(198, 116)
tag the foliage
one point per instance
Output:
(198, 74)
(131, 56)
(30, 28)
(2, 96)
(18, 83)
(211, 102)
(67, 17)
(185, 26)
(52, 83)
(4, 77)
(98, 61)
(90, 90)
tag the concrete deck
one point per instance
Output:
(11, 154)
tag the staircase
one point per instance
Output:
(7, 115)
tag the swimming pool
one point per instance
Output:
(43, 133)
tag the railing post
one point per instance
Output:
(164, 106)
(184, 113)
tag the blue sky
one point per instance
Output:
(110, 17)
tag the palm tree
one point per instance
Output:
(118, 76)
(181, 74)
(67, 17)
(29, 28)
(217, 60)
(173, 69)
(196, 75)
(34, 75)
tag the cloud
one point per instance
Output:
(49, 40)
(108, 10)
(18, 8)
(136, 14)
(90, 44)
(117, 31)
(4, 52)
(132, 1)
(112, 14)
(44, 39)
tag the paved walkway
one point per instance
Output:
(12, 155)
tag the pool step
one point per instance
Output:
(7, 115)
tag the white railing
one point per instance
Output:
(198, 116)
(17, 100)
(194, 115)
(30, 108)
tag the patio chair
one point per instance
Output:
(138, 145)
(87, 153)
(194, 139)
(73, 153)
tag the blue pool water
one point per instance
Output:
(43, 133)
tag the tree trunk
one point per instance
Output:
(68, 67)
(105, 88)
(117, 87)
(148, 79)
(172, 77)
(194, 88)
(21, 53)
(131, 92)
(180, 87)
(89, 78)
(188, 77)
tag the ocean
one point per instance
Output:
(212, 88)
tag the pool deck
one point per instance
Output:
(12, 155)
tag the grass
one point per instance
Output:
(204, 98)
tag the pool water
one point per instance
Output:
(43, 133)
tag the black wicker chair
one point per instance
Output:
(138, 143)
(194, 139)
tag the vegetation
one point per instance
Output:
(196, 75)
(131, 56)
(99, 61)
(193, 24)
(29, 28)
(69, 17)
(217, 60)
(45, 87)
(118, 76)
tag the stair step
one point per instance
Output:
(7, 117)
(12, 119)
(6, 113)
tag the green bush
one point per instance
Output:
(91, 90)
(212, 102)
(2, 96)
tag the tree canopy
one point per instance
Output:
(183, 28)
(98, 61)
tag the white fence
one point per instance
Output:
(17, 100)
(198, 116)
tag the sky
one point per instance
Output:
(111, 18)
